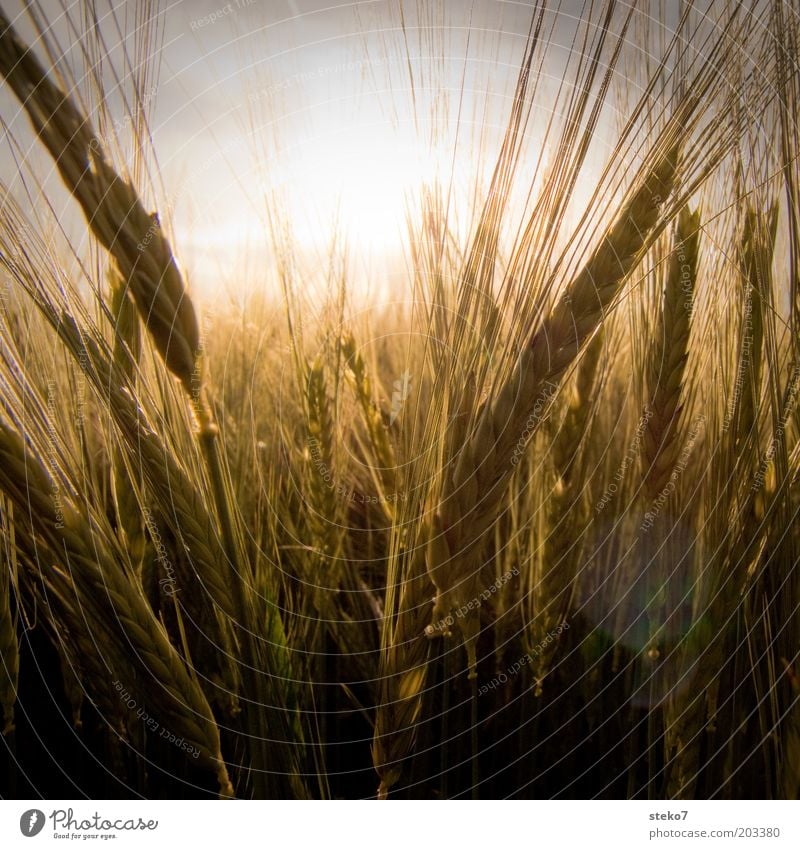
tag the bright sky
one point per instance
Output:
(313, 102)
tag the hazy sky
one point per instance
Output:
(338, 109)
(314, 101)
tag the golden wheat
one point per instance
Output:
(118, 610)
(477, 476)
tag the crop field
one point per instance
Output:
(449, 453)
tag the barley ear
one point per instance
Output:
(114, 604)
(667, 359)
(582, 307)
(111, 206)
(376, 427)
(126, 355)
(476, 478)
(319, 452)
(740, 529)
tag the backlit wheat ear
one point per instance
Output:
(557, 575)
(322, 475)
(126, 355)
(477, 475)
(376, 427)
(661, 445)
(506, 305)
(118, 609)
(742, 533)
(758, 242)
(663, 450)
(480, 468)
(112, 208)
(582, 307)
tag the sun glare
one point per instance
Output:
(356, 184)
(363, 180)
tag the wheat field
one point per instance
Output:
(524, 528)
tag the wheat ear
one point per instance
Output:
(376, 427)
(661, 444)
(139, 247)
(663, 449)
(557, 575)
(119, 611)
(145, 264)
(112, 207)
(405, 645)
(403, 674)
(661, 456)
(481, 465)
(319, 452)
(745, 418)
(476, 478)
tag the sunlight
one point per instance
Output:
(357, 182)
(362, 178)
